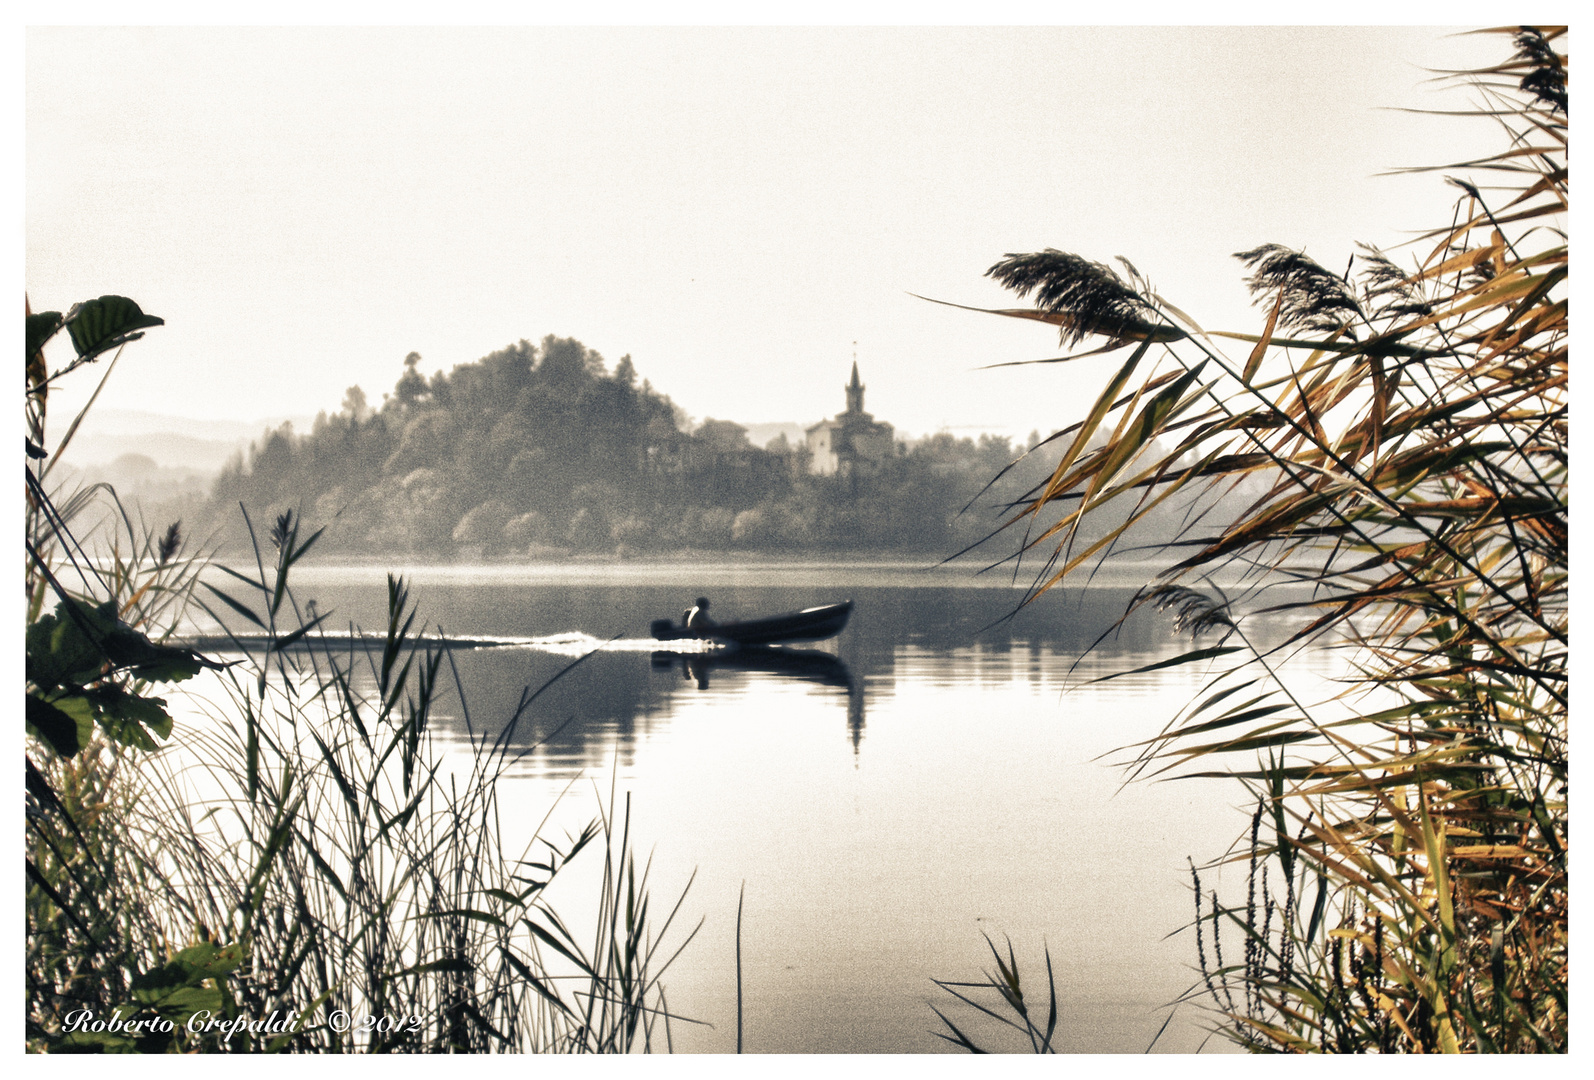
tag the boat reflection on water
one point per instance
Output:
(807, 665)
(810, 665)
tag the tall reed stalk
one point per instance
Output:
(1402, 433)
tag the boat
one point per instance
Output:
(809, 624)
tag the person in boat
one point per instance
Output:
(696, 617)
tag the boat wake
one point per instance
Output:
(578, 643)
(570, 643)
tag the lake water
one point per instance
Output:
(937, 773)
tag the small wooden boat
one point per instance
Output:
(809, 624)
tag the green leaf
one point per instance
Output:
(1182, 658)
(453, 963)
(327, 871)
(189, 967)
(58, 651)
(81, 711)
(1250, 742)
(289, 640)
(127, 648)
(184, 1001)
(1146, 425)
(99, 325)
(467, 913)
(129, 718)
(41, 328)
(1221, 694)
(1098, 411)
(235, 605)
(150, 712)
(535, 983)
(61, 731)
(72, 646)
(558, 946)
(177, 988)
(1226, 720)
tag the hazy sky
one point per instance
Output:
(734, 208)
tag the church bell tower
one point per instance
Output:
(854, 392)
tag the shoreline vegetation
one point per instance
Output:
(1406, 883)
(308, 872)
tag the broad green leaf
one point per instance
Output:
(129, 718)
(72, 647)
(81, 711)
(58, 650)
(184, 1001)
(61, 731)
(127, 648)
(99, 325)
(190, 967)
(41, 328)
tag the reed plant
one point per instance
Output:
(999, 996)
(302, 864)
(1400, 432)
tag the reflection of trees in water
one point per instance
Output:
(599, 707)
(580, 714)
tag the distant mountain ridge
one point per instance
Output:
(183, 442)
(173, 442)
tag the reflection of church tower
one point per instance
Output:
(855, 713)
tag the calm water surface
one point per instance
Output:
(885, 798)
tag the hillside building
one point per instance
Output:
(853, 439)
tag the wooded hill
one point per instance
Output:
(542, 451)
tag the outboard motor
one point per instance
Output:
(663, 629)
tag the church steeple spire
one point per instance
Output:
(854, 391)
